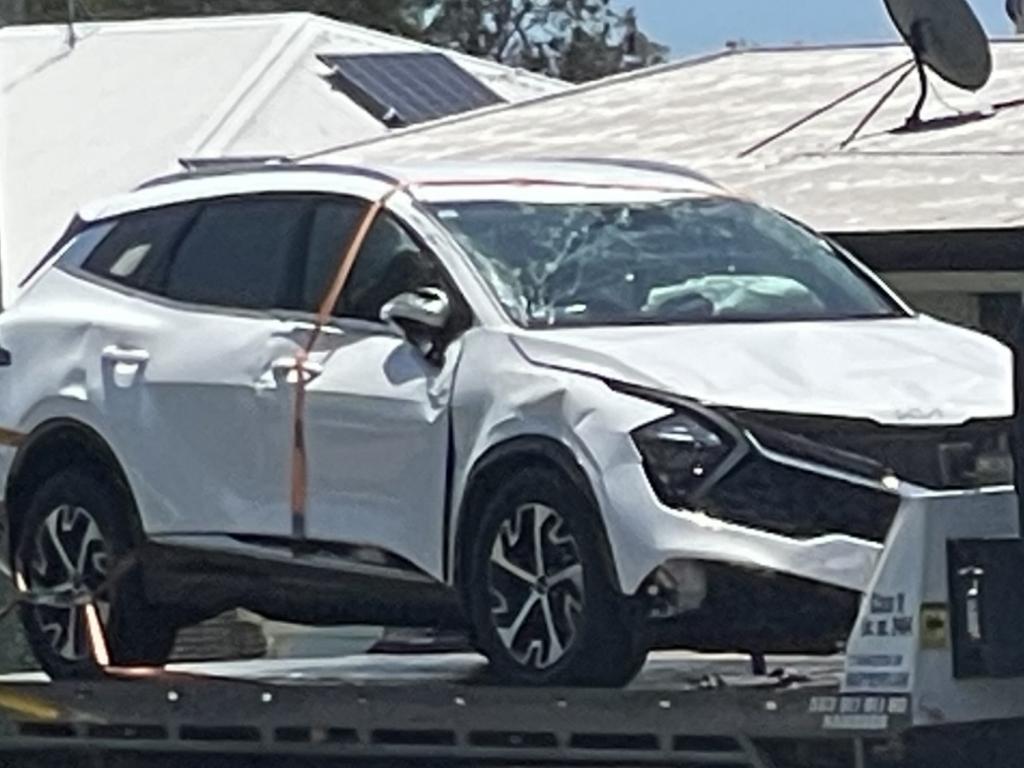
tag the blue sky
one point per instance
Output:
(696, 26)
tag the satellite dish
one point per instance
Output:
(1015, 10)
(947, 38)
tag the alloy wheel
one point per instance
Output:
(67, 565)
(536, 583)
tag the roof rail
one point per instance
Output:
(199, 164)
(215, 166)
(656, 166)
(230, 169)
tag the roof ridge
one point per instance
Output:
(846, 46)
(135, 25)
(251, 79)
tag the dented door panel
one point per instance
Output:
(171, 390)
(376, 426)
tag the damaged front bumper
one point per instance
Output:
(813, 497)
(646, 534)
(772, 555)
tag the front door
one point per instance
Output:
(377, 413)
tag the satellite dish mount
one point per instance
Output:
(916, 46)
(946, 37)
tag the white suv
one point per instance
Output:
(581, 409)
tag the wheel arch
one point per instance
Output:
(49, 448)
(506, 457)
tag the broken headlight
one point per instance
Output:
(681, 455)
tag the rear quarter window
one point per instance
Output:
(136, 249)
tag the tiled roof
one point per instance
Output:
(705, 112)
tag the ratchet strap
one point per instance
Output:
(299, 476)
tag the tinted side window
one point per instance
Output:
(237, 253)
(137, 246)
(389, 262)
(334, 224)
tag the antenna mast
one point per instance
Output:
(72, 37)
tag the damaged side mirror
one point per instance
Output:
(421, 316)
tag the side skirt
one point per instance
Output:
(201, 576)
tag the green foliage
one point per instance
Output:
(573, 39)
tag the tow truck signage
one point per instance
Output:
(881, 651)
(858, 713)
(888, 616)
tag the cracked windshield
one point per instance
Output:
(688, 260)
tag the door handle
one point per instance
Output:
(306, 326)
(285, 366)
(116, 354)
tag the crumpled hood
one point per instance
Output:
(898, 371)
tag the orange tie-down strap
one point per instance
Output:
(299, 480)
(348, 258)
(10, 438)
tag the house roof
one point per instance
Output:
(706, 112)
(132, 97)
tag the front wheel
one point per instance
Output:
(541, 592)
(74, 533)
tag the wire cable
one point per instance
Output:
(826, 108)
(874, 110)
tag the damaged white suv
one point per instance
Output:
(581, 409)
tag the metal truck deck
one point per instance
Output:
(933, 662)
(683, 709)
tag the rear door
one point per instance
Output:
(190, 358)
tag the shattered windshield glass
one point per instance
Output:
(678, 260)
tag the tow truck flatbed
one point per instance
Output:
(684, 708)
(934, 659)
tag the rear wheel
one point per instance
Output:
(73, 536)
(541, 594)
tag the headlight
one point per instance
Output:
(682, 455)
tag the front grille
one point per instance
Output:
(935, 457)
(771, 497)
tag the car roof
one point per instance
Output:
(229, 178)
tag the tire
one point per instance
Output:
(82, 518)
(571, 626)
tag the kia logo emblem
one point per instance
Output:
(919, 414)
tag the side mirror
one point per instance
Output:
(420, 316)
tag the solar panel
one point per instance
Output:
(408, 88)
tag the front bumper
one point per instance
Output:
(645, 534)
